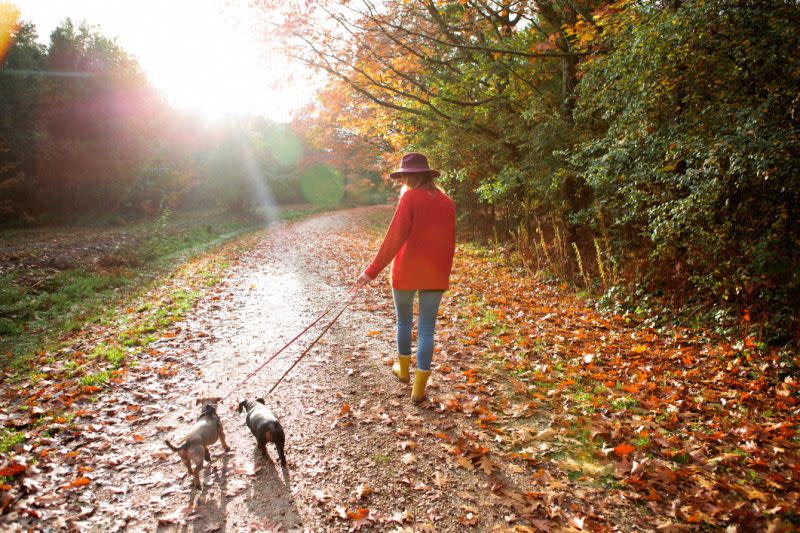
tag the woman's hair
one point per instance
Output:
(417, 180)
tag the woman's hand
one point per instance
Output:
(363, 279)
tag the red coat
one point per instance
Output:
(421, 239)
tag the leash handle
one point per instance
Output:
(351, 293)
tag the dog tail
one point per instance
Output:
(173, 448)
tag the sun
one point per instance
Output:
(217, 63)
(208, 56)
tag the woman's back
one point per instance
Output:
(421, 240)
(425, 260)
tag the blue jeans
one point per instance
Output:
(426, 324)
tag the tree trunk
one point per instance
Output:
(569, 79)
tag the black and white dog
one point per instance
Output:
(264, 425)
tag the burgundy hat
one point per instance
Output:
(413, 163)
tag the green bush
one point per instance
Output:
(698, 158)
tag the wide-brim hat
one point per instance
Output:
(413, 163)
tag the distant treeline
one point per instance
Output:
(638, 148)
(82, 132)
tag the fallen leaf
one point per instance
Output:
(155, 479)
(320, 496)
(79, 482)
(463, 462)
(486, 465)
(577, 522)
(471, 516)
(363, 491)
(235, 487)
(360, 517)
(177, 517)
(624, 450)
(12, 470)
(545, 434)
(400, 517)
(652, 496)
(251, 469)
(5, 500)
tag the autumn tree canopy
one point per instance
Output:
(661, 134)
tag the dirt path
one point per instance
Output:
(359, 453)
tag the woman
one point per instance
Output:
(421, 240)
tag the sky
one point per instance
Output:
(204, 55)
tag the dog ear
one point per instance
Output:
(261, 401)
(198, 401)
(241, 406)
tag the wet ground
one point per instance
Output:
(359, 453)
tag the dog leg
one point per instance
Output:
(261, 444)
(197, 472)
(222, 438)
(207, 455)
(187, 463)
(280, 440)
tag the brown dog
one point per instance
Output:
(202, 434)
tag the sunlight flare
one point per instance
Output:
(9, 17)
(265, 203)
(213, 57)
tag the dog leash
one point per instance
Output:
(308, 348)
(349, 296)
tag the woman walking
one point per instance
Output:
(421, 240)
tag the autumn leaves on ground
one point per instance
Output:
(543, 413)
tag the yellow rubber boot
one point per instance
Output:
(420, 381)
(400, 367)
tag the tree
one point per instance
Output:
(668, 128)
(696, 160)
(19, 98)
(97, 114)
(466, 81)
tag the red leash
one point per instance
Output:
(351, 293)
(332, 322)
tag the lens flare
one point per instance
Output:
(9, 19)
(258, 183)
(285, 147)
(322, 185)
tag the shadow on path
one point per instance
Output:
(271, 490)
